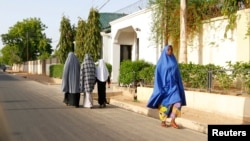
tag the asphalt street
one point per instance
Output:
(32, 111)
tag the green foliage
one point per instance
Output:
(56, 71)
(241, 73)
(229, 9)
(195, 75)
(224, 79)
(1, 60)
(248, 31)
(184, 70)
(130, 71)
(109, 66)
(126, 73)
(44, 56)
(166, 17)
(92, 38)
(26, 41)
(10, 55)
(79, 42)
(165, 20)
(147, 74)
(66, 42)
(247, 5)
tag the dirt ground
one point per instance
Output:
(40, 78)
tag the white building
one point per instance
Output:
(131, 38)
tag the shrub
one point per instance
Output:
(147, 75)
(56, 71)
(129, 71)
(109, 66)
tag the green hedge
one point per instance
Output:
(135, 71)
(56, 71)
(193, 75)
(109, 66)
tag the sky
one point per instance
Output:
(50, 12)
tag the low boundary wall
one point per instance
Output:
(40, 67)
(232, 106)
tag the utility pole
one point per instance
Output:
(183, 42)
(27, 45)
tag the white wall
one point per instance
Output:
(209, 46)
(228, 105)
(125, 31)
(243, 41)
(106, 48)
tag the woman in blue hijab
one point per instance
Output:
(168, 94)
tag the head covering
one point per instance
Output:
(88, 78)
(168, 87)
(71, 74)
(102, 72)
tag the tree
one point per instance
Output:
(26, 41)
(166, 24)
(79, 39)
(183, 42)
(66, 42)
(166, 21)
(92, 38)
(10, 55)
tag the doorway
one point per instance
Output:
(125, 52)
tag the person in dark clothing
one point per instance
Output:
(102, 78)
(71, 81)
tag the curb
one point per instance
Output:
(185, 123)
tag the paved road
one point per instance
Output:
(34, 111)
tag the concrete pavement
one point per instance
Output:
(191, 118)
(35, 111)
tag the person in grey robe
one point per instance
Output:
(88, 80)
(71, 81)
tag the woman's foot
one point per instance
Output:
(91, 107)
(173, 124)
(102, 105)
(163, 124)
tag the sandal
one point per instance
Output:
(163, 124)
(173, 124)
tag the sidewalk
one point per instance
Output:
(191, 118)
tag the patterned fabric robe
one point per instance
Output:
(88, 78)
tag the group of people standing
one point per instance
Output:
(81, 78)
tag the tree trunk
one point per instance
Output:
(183, 42)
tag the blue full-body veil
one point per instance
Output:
(168, 86)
